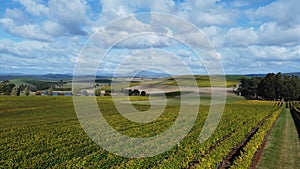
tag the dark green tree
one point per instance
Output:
(136, 92)
(278, 86)
(272, 87)
(249, 87)
(107, 93)
(16, 91)
(97, 91)
(267, 87)
(27, 91)
(130, 92)
(6, 87)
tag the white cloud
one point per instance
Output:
(268, 34)
(164, 28)
(53, 28)
(28, 31)
(152, 59)
(211, 31)
(119, 8)
(240, 37)
(130, 33)
(46, 57)
(116, 8)
(271, 33)
(145, 41)
(284, 12)
(276, 53)
(112, 10)
(17, 15)
(167, 6)
(49, 31)
(201, 13)
(46, 23)
(260, 59)
(184, 53)
(130, 24)
(207, 13)
(34, 7)
(70, 14)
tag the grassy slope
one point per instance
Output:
(19, 81)
(204, 100)
(201, 80)
(282, 149)
(184, 80)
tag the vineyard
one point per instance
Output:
(295, 111)
(283, 141)
(45, 132)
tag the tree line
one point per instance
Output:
(271, 87)
(129, 92)
(7, 88)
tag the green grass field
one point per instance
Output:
(184, 80)
(283, 147)
(201, 81)
(45, 132)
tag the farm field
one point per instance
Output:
(201, 80)
(181, 84)
(45, 132)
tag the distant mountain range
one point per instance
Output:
(134, 73)
(67, 77)
(144, 73)
(48, 77)
(295, 74)
(262, 75)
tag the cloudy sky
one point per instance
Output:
(249, 36)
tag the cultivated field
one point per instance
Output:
(45, 132)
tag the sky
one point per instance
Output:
(48, 36)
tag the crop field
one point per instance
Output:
(201, 81)
(45, 132)
(183, 80)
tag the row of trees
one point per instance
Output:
(7, 88)
(135, 92)
(129, 92)
(37, 85)
(271, 87)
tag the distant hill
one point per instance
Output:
(263, 75)
(46, 77)
(151, 74)
(134, 73)
(294, 73)
(255, 75)
(143, 73)
(57, 76)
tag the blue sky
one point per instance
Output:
(46, 36)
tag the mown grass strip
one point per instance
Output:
(282, 149)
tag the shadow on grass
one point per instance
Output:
(296, 117)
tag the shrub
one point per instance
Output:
(97, 91)
(107, 93)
